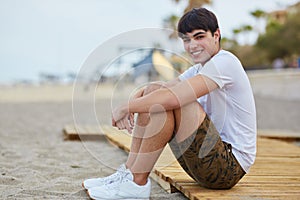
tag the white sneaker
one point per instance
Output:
(124, 188)
(96, 182)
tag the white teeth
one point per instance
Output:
(196, 52)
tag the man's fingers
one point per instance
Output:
(124, 124)
(119, 125)
(128, 126)
(131, 120)
(113, 122)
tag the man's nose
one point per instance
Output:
(193, 43)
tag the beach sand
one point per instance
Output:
(35, 161)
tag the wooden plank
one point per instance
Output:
(119, 138)
(163, 183)
(279, 134)
(272, 179)
(194, 191)
(275, 148)
(72, 132)
(275, 174)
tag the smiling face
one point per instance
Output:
(200, 32)
(201, 45)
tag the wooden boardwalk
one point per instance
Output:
(275, 174)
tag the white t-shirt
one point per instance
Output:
(231, 106)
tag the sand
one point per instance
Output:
(35, 161)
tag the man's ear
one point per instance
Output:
(217, 35)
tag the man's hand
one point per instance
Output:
(118, 114)
(125, 123)
(122, 119)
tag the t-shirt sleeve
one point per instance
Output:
(221, 70)
(190, 72)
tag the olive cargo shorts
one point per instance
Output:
(207, 159)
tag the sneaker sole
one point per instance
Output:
(121, 199)
(82, 184)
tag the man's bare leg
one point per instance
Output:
(139, 129)
(150, 136)
(152, 133)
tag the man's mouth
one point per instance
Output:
(195, 53)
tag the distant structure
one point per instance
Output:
(144, 70)
(154, 66)
(142, 66)
(280, 16)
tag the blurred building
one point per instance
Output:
(280, 16)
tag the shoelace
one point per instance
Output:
(115, 184)
(117, 174)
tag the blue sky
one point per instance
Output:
(56, 36)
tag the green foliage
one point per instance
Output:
(250, 56)
(281, 40)
(258, 13)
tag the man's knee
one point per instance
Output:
(187, 119)
(152, 87)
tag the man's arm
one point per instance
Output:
(168, 98)
(138, 94)
(170, 83)
(174, 96)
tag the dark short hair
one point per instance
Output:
(198, 18)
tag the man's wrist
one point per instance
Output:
(124, 108)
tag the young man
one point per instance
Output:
(207, 115)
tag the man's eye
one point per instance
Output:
(186, 39)
(199, 37)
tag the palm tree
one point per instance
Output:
(236, 32)
(246, 29)
(259, 15)
(243, 30)
(194, 4)
(171, 21)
